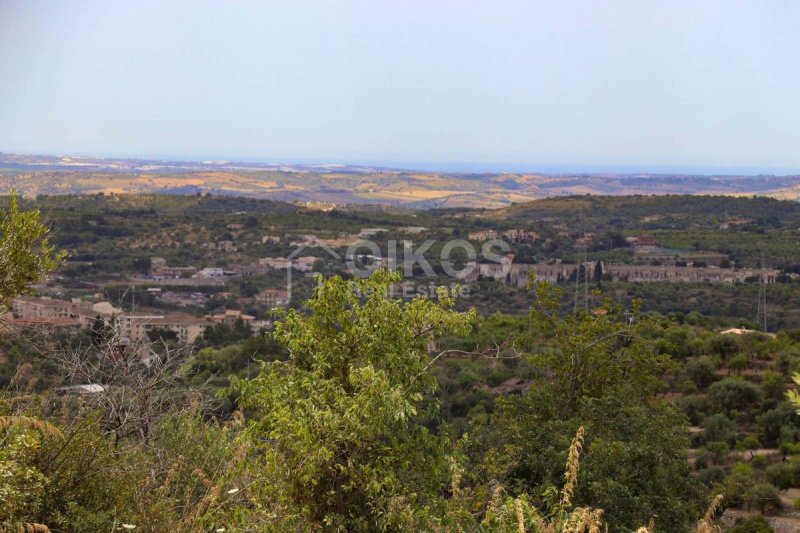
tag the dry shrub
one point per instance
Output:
(30, 423)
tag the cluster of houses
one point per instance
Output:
(643, 242)
(159, 270)
(76, 314)
(366, 233)
(219, 246)
(513, 235)
(50, 314)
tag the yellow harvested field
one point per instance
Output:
(390, 187)
(411, 195)
(520, 197)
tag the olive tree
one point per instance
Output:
(26, 254)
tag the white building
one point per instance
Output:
(211, 272)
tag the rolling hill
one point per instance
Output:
(344, 184)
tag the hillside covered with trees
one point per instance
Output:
(359, 411)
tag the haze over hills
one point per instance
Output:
(355, 184)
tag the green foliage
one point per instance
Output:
(240, 359)
(225, 334)
(596, 355)
(718, 451)
(519, 514)
(725, 346)
(26, 255)
(50, 475)
(736, 485)
(718, 427)
(734, 396)
(711, 475)
(79, 478)
(754, 524)
(762, 497)
(599, 372)
(347, 433)
(784, 475)
(792, 395)
(738, 363)
(23, 485)
(779, 424)
(694, 407)
(748, 443)
(338, 426)
(702, 371)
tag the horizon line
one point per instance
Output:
(448, 166)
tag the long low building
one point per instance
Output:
(691, 274)
(518, 274)
(54, 313)
(44, 307)
(136, 328)
(187, 328)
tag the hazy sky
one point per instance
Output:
(650, 83)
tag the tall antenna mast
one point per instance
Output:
(581, 294)
(761, 316)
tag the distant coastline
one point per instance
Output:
(452, 166)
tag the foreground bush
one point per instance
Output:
(339, 437)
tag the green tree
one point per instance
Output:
(762, 497)
(719, 427)
(755, 524)
(702, 371)
(734, 395)
(748, 443)
(792, 395)
(784, 475)
(738, 363)
(779, 424)
(726, 346)
(718, 451)
(225, 334)
(26, 255)
(599, 372)
(339, 426)
(736, 485)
